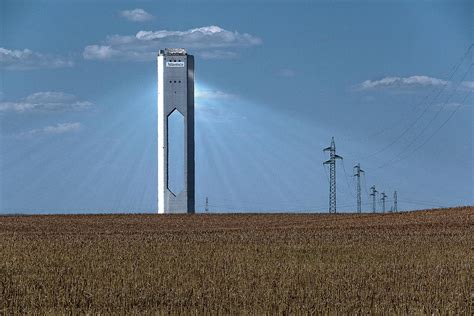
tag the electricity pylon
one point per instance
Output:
(384, 196)
(357, 173)
(373, 194)
(332, 175)
(207, 204)
(395, 202)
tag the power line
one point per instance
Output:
(411, 125)
(346, 176)
(431, 202)
(437, 113)
(329, 181)
(429, 137)
(333, 156)
(365, 184)
(314, 208)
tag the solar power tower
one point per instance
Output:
(175, 131)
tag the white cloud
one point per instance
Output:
(468, 85)
(286, 72)
(60, 128)
(46, 102)
(452, 106)
(100, 52)
(213, 104)
(136, 15)
(213, 95)
(217, 54)
(208, 42)
(400, 82)
(207, 36)
(26, 60)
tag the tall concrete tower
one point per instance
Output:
(175, 131)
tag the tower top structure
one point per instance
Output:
(172, 52)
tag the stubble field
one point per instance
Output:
(404, 263)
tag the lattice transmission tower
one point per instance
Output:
(332, 174)
(373, 194)
(357, 173)
(395, 202)
(383, 198)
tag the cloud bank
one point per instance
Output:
(413, 82)
(27, 60)
(46, 102)
(286, 72)
(60, 128)
(468, 85)
(211, 42)
(400, 82)
(213, 95)
(136, 15)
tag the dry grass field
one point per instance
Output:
(411, 263)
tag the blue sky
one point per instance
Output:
(390, 80)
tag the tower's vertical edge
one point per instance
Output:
(190, 135)
(161, 122)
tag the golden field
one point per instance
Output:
(403, 263)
